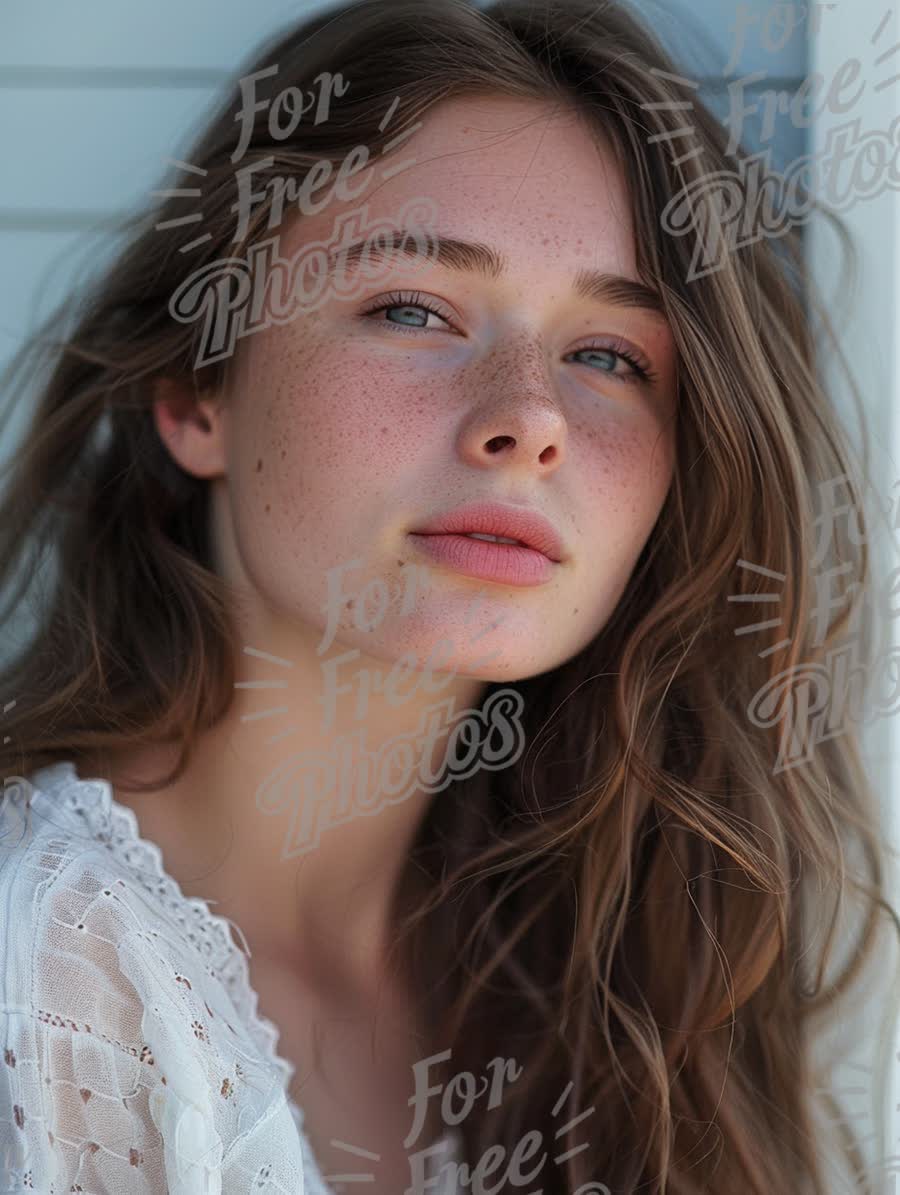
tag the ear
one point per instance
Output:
(193, 429)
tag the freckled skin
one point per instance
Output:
(347, 434)
(334, 438)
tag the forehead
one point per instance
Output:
(514, 173)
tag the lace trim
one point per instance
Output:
(116, 827)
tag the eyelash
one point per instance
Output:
(642, 373)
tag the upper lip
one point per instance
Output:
(495, 518)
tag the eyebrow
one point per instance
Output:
(475, 258)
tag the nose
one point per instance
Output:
(518, 421)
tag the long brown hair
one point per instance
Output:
(630, 909)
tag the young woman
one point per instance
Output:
(537, 891)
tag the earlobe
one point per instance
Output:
(191, 428)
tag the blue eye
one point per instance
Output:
(640, 373)
(409, 302)
(412, 301)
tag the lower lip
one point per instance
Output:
(509, 564)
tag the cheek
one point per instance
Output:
(323, 428)
(627, 471)
(339, 407)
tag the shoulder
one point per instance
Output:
(73, 914)
(66, 889)
(76, 1076)
(121, 1046)
(92, 917)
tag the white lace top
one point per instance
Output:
(134, 1060)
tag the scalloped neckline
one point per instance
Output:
(263, 1030)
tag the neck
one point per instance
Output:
(287, 832)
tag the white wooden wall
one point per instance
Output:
(867, 319)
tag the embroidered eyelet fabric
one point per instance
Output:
(133, 1056)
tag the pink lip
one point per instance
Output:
(507, 564)
(494, 518)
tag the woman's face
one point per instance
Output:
(345, 429)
